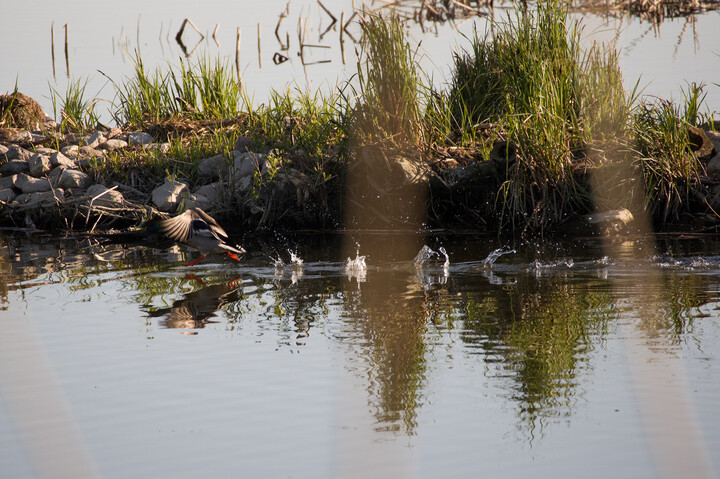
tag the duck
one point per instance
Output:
(198, 230)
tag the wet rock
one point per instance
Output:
(246, 164)
(71, 151)
(113, 144)
(7, 195)
(35, 185)
(213, 167)
(17, 152)
(242, 144)
(95, 139)
(101, 195)
(139, 138)
(39, 164)
(59, 159)
(167, 197)
(73, 179)
(14, 167)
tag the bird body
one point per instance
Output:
(199, 230)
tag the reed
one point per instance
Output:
(76, 111)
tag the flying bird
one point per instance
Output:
(198, 230)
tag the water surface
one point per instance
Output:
(437, 356)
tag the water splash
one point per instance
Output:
(488, 262)
(426, 263)
(356, 268)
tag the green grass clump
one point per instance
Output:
(388, 108)
(76, 112)
(664, 154)
(201, 91)
(547, 98)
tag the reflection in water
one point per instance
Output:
(194, 309)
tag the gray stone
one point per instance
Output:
(713, 166)
(71, 151)
(211, 191)
(35, 185)
(39, 164)
(55, 174)
(7, 195)
(13, 167)
(59, 159)
(714, 138)
(199, 201)
(244, 185)
(162, 148)
(46, 198)
(7, 181)
(19, 180)
(246, 164)
(242, 144)
(101, 195)
(21, 136)
(16, 152)
(113, 144)
(168, 196)
(45, 151)
(114, 133)
(139, 138)
(214, 166)
(412, 172)
(89, 152)
(95, 139)
(73, 179)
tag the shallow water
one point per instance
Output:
(552, 359)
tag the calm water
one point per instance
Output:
(664, 58)
(562, 359)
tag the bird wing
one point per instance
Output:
(215, 228)
(177, 228)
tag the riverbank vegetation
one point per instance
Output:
(533, 130)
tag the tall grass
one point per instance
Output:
(664, 154)
(388, 109)
(547, 98)
(203, 90)
(77, 113)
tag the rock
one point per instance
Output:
(21, 137)
(242, 144)
(714, 138)
(19, 180)
(47, 198)
(89, 152)
(199, 201)
(168, 196)
(55, 175)
(7, 181)
(73, 179)
(113, 144)
(622, 216)
(45, 151)
(211, 191)
(213, 167)
(412, 172)
(162, 148)
(71, 151)
(3, 151)
(101, 195)
(713, 166)
(114, 133)
(16, 152)
(39, 164)
(246, 164)
(139, 138)
(7, 195)
(95, 139)
(35, 185)
(244, 185)
(700, 144)
(59, 159)
(14, 167)
(460, 174)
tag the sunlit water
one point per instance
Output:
(455, 356)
